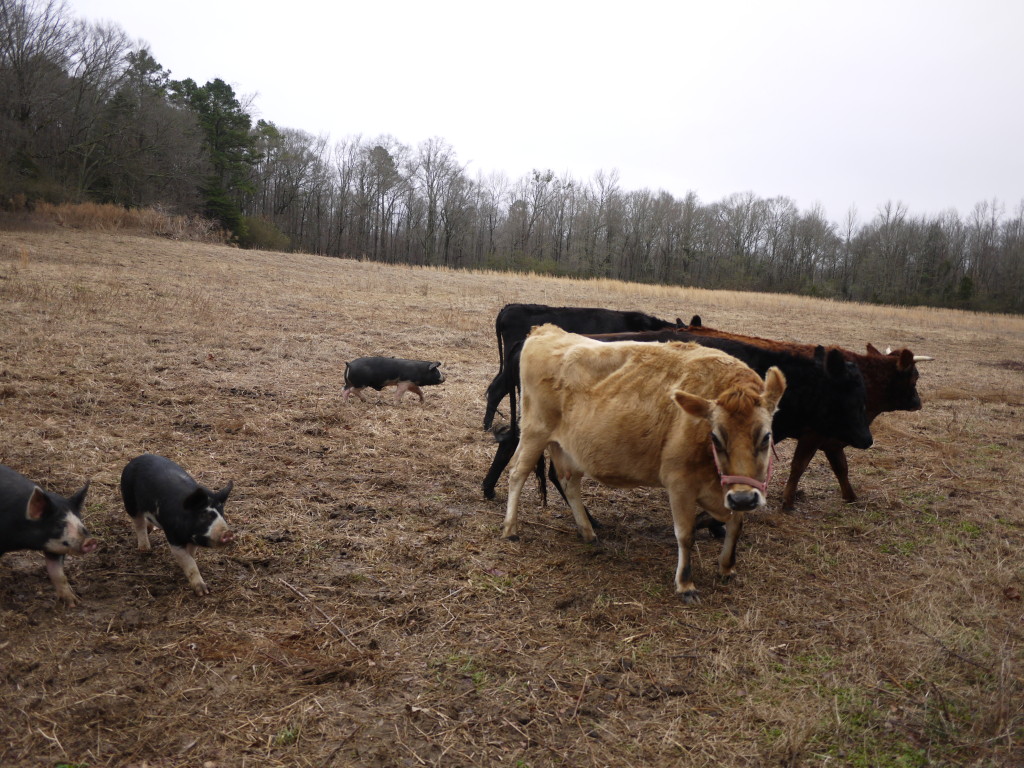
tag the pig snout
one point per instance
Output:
(219, 535)
(75, 538)
(89, 545)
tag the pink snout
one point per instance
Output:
(226, 538)
(89, 545)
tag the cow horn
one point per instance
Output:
(922, 358)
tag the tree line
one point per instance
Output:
(86, 113)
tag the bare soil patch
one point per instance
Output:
(370, 614)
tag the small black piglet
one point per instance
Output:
(158, 493)
(31, 518)
(380, 372)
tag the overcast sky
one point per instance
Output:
(844, 104)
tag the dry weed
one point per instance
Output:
(370, 614)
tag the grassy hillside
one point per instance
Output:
(370, 614)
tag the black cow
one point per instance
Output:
(512, 326)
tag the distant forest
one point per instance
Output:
(88, 115)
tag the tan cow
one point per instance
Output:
(632, 414)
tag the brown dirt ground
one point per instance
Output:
(370, 614)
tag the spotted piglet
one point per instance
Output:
(31, 518)
(158, 493)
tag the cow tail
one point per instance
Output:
(501, 349)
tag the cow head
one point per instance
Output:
(901, 382)
(741, 436)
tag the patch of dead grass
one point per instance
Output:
(370, 614)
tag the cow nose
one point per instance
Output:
(741, 501)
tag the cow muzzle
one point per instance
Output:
(745, 500)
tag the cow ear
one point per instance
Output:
(906, 361)
(693, 405)
(222, 495)
(774, 389)
(835, 363)
(872, 350)
(37, 505)
(78, 500)
(695, 321)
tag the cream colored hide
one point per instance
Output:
(639, 414)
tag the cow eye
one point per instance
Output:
(766, 441)
(718, 443)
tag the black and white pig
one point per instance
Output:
(158, 493)
(380, 372)
(31, 518)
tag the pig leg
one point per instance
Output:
(357, 390)
(142, 528)
(55, 570)
(183, 555)
(407, 386)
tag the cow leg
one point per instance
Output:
(523, 462)
(572, 478)
(684, 515)
(553, 477)
(727, 558)
(805, 449)
(507, 443)
(836, 455)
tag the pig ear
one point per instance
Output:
(78, 500)
(37, 505)
(222, 495)
(435, 365)
(198, 499)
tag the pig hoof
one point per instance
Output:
(68, 599)
(690, 597)
(201, 588)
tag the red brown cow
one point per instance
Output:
(890, 383)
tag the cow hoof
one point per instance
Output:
(489, 494)
(690, 597)
(511, 537)
(727, 578)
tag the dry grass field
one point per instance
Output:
(369, 614)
